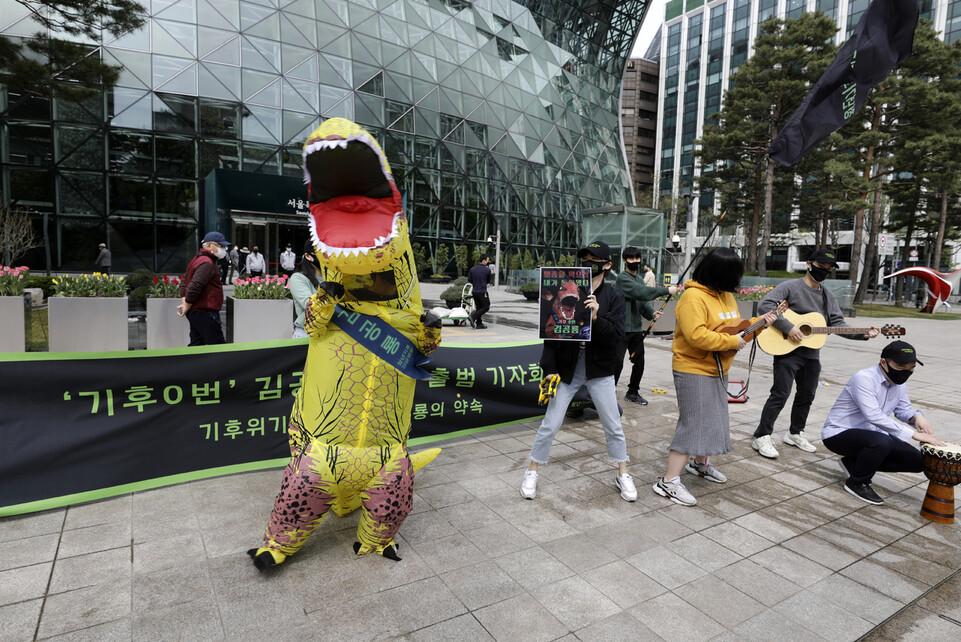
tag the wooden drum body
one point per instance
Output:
(942, 466)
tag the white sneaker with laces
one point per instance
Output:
(800, 441)
(765, 446)
(529, 485)
(707, 470)
(675, 491)
(626, 485)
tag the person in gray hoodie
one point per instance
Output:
(802, 365)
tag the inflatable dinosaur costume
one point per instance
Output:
(351, 417)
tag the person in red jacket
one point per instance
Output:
(202, 294)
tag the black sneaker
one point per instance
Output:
(633, 397)
(470, 319)
(864, 492)
(480, 325)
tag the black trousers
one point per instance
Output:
(205, 328)
(633, 345)
(788, 369)
(866, 452)
(482, 303)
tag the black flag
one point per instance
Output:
(883, 38)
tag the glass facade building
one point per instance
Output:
(488, 110)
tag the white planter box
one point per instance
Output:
(746, 309)
(88, 324)
(15, 321)
(259, 319)
(165, 329)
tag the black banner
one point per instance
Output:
(882, 39)
(76, 428)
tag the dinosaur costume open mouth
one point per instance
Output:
(354, 206)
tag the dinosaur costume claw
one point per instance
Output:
(351, 416)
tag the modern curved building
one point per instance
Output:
(489, 110)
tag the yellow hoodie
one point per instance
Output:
(700, 312)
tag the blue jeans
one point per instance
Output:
(602, 394)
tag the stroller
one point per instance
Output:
(460, 314)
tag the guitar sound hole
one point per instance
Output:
(805, 330)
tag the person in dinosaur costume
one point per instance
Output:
(351, 416)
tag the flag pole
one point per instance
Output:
(707, 238)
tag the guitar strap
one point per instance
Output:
(742, 393)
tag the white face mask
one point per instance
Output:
(221, 252)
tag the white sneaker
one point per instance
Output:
(626, 484)
(529, 485)
(800, 441)
(707, 470)
(765, 446)
(675, 491)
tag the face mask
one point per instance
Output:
(221, 252)
(595, 266)
(632, 265)
(818, 273)
(897, 376)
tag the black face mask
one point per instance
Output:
(818, 273)
(595, 266)
(897, 377)
(632, 267)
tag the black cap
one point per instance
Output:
(597, 248)
(822, 255)
(901, 353)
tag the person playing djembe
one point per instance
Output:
(860, 427)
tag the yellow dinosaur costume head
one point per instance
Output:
(357, 221)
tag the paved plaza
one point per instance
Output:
(778, 552)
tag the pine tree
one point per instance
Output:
(789, 56)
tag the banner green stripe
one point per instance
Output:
(170, 480)
(159, 482)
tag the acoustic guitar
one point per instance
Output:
(749, 329)
(815, 331)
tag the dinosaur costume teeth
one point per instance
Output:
(351, 416)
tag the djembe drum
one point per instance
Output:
(942, 466)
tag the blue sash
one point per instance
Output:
(384, 341)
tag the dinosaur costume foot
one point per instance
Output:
(265, 558)
(389, 551)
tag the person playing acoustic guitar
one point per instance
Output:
(802, 365)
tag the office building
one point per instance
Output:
(703, 44)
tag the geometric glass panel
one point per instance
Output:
(185, 35)
(269, 96)
(228, 53)
(165, 68)
(184, 83)
(219, 81)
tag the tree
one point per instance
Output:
(789, 57)
(461, 258)
(17, 236)
(61, 60)
(441, 259)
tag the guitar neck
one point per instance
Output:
(838, 330)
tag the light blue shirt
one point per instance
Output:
(866, 403)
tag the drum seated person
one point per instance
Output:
(861, 430)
